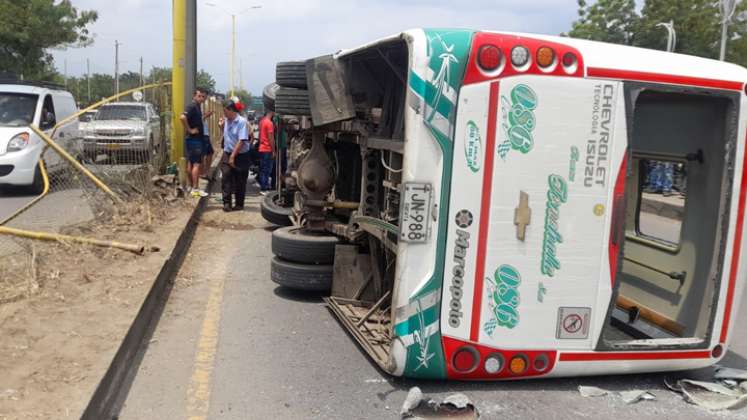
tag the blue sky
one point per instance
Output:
(289, 29)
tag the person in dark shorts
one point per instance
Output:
(193, 121)
(234, 164)
(207, 154)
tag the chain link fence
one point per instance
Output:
(107, 173)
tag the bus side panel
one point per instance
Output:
(732, 289)
(544, 233)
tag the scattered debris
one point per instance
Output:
(727, 392)
(730, 373)
(592, 391)
(455, 406)
(713, 396)
(629, 397)
(414, 398)
(634, 396)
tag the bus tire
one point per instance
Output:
(292, 102)
(273, 213)
(313, 278)
(297, 245)
(291, 74)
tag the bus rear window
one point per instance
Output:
(661, 207)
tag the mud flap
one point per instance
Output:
(329, 96)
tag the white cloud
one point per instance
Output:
(290, 29)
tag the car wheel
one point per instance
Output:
(273, 212)
(298, 245)
(291, 74)
(37, 187)
(313, 278)
(292, 102)
(155, 149)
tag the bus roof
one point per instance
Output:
(602, 55)
(622, 57)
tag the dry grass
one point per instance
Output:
(36, 264)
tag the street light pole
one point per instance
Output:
(672, 34)
(232, 87)
(116, 66)
(727, 11)
(233, 54)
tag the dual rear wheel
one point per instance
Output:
(303, 259)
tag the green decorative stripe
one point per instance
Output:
(428, 92)
(448, 51)
(412, 324)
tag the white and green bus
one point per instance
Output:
(485, 205)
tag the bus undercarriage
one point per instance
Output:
(344, 181)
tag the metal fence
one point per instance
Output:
(91, 179)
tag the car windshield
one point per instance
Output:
(121, 112)
(88, 116)
(17, 109)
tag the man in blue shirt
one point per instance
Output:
(234, 165)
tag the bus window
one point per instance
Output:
(661, 203)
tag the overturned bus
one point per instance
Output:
(486, 205)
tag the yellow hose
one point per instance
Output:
(51, 143)
(54, 237)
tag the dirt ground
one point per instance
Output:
(63, 317)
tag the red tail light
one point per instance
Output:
(569, 59)
(717, 351)
(489, 58)
(495, 55)
(466, 359)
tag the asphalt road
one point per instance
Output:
(232, 345)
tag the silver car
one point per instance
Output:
(124, 129)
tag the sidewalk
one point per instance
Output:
(672, 207)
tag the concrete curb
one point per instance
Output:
(110, 394)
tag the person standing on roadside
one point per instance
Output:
(193, 122)
(207, 152)
(266, 151)
(234, 165)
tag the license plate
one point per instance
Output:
(112, 146)
(416, 209)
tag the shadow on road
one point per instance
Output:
(15, 192)
(298, 296)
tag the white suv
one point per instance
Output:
(129, 128)
(32, 103)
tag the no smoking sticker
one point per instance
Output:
(573, 323)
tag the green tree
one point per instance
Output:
(696, 23)
(606, 20)
(102, 86)
(163, 74)
(205, 80)
(244, 96)
(31, 27)
(159, 74)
